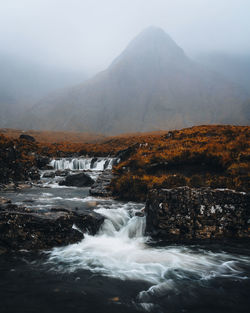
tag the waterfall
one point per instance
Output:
(84, 164)
(120, 250)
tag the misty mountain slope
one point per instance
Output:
(235, 67)
(23, 82)
(151, 85)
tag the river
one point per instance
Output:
(119, 269)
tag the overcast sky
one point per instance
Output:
(89, 34)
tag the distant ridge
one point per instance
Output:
(55, 136)
(152, 85)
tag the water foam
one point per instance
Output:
(120, 250)
(86, 164)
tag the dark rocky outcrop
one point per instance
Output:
(17, 161)
(27, 137)
(77, 180)
(25, 228)
(62, 172)
(184, 214)
(126, 153)
(42, 162)
(49, 175)
(101, 187)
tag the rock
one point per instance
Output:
(84, 219)
(49, 175)
(17, 161)
(101, 187)
(26, 228)
(10, 187)
(4, 200)
(62, 173)
(47, 168)
(20, 230)
(126, 153)
(140, 213)
(23, 186)
(184, 214)
(42, 162)
(28, 201)
(34, 174)
(93, 162)
(27, 137)
(77, 180)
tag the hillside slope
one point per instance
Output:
(152, 85)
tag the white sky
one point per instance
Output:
(89, 34)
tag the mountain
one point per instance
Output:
(152, 85)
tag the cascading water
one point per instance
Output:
(87, 164)
(120, 250)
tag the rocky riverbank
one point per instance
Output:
(33, 229)
(101, 188)
(186, 214)
(19, 161)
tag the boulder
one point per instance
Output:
(26, 228)
(85, 220)
(27, 137)
(184, 214)
(77, 180)
(62, 173)
(49, 175)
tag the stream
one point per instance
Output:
(119, 269)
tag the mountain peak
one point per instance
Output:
(153, 43)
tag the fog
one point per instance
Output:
(49, 45)
(88, 34)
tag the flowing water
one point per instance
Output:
(92, 164)
(120, 269)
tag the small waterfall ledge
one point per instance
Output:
(84, 164)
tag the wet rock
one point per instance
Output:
(10, 187)
(62, 173)
(42, 162)
(21, 230)
(184, 214)
(28, 201)
(85, 220)
(49, 175)
(23, 186)
(33, 173)
(47, 168)
(101, 187)
(27, 137)
(77, 180)
(140, 213)
(27, 228)
(106, 164)
(4, 200)
(93, 162)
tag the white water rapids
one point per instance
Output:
(120, 250)
(87, 164)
